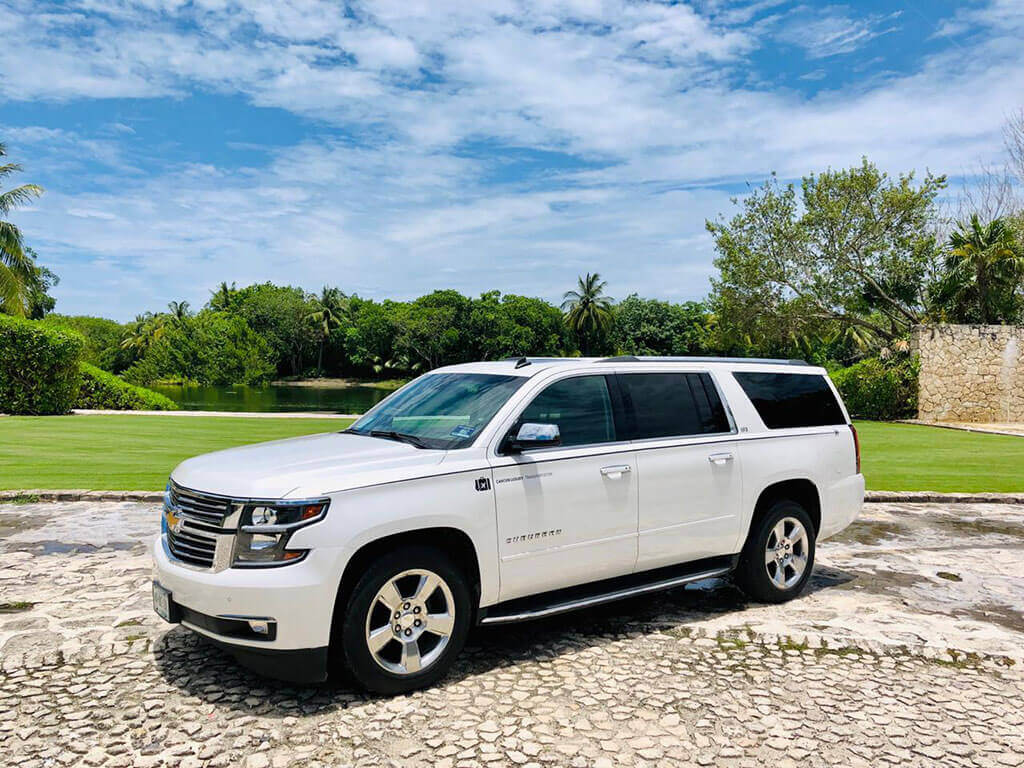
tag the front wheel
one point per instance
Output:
(406, 621)
(777, 559)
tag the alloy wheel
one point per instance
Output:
(785, 556)
(410, 621)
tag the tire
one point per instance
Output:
(764, 571)
(407, 599)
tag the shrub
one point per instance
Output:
(39, 371)
(879, 390)
(106, 391)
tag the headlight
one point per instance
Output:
(264, 531)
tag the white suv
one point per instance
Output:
(500, 492)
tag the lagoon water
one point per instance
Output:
(273, 397)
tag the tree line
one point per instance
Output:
(264, 331)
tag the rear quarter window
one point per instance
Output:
(791, 399)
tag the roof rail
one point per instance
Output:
(531, 360)
(750, 360)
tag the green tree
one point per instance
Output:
(652, 327)
(143, 331)
(433, 329)
(38, 283)
(369, 337)
(512, 326)
(983, 276)
(223, 299)
(178, 312)
(280, 314)
(588, 312)
(851, 254)
(18, 272)
(328, 313)
(102, 340)
(207, 348)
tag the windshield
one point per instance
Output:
(439, 410)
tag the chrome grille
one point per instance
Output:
(200, 506)
(192, 545)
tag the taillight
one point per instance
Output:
(856, 446)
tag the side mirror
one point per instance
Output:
(533, 436)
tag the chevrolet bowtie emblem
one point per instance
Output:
(173, 521)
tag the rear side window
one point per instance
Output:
(791, 399)
(672, 404)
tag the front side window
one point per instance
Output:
(673, 404)
(580, 406)
(439, 410)
(791, 399)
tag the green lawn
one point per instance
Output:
(907, 457)
(120, 452)
(138, 452)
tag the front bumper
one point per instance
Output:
(298, 599)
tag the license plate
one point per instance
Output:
(161, 602)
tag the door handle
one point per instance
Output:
(720, 458)
(616, 471)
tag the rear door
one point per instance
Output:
(567, 514)
(690, 474)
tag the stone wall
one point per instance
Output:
(970, 372)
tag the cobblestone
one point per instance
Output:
(859, 671)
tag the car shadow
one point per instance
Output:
(203, 670)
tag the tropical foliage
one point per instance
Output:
(834, 270)
(983, 278)
(652, 327)
(21, 281)
(847, 257)
(588, 312)
(40, 371)
(103, 339)
(879, 389)
(209, 347)
(105, 391)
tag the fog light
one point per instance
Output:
(259, 627)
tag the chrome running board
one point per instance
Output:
(599, 599)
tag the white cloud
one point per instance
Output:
(832, 31)
(656, 94)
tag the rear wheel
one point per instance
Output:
(406, 620)
(778, 557)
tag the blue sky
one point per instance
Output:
(397, 146)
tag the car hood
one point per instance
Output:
(302, 467)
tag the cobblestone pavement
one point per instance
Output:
(858, 671)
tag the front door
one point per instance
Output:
(567, 514)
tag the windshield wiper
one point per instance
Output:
(402, 437)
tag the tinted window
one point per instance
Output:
(709, 404)
(442, 410)
(581, 407)
(791, 399)
(673, 404)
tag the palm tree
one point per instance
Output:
(984, 275)
(333, 307)
(179, 312)
(143, 331)
(222, 299)
(588, 311)
(17, 269)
